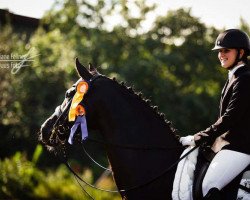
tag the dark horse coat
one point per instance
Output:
(234, 115)
(124, 119)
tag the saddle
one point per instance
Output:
(205, 156)
(191, 172)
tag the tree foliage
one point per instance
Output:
(170, 62)
(21, 179)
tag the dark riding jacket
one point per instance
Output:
(234, 116)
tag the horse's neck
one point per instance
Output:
(125, 117)
(126, 120)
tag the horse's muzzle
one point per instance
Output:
(46, 130)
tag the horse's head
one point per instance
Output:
(55, 130)
(117, 111)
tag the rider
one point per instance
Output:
(233, 48)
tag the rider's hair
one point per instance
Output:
(246, 57)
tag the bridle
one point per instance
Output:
(59, 128)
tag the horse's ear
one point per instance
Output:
(82, 71)
(92, 69)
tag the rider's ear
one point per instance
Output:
(242, 51)
(82, 71)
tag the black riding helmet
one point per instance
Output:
(234, 39)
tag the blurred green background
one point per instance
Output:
(171, 63)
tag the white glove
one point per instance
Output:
(187, 140)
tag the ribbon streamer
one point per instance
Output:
(80, 121)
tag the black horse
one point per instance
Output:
(123, 117)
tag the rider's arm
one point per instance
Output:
(236, 108)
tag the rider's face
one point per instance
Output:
(227, 57)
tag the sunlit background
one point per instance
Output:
(163, 51)
(221, 14)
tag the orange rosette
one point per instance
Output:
(74, 104)
(76, 109)
(80, 110)
(82, 87)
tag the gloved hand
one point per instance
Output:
(187, 140)
(201, 138)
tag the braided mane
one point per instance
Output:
(148, 103)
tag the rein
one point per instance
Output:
(93, 160)
(121, 146)
(132, 187)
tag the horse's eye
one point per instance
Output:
(70, 92)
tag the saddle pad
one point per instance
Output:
(183, 182)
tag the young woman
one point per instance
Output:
(233, 48)
(233, 124)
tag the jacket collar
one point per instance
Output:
(241, 70)
(232, 71)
